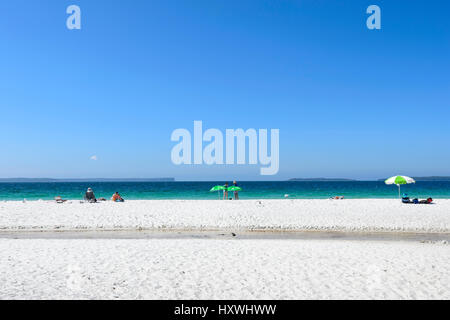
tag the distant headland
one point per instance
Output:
(40, 180)
(430, 178)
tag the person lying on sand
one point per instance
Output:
(337, 198)
(428, 201)
(58, 199)
(90, 196)
(406, 199)
(117, 198)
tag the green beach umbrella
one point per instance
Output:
(398, 180)
(217, 188)
(234, 188)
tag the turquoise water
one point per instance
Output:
(200, 190)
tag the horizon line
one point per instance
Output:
(172, 179)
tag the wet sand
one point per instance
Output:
(226, 234)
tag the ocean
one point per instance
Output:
(200, 190)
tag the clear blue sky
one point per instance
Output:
(349, 102)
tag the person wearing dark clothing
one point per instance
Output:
(428, 201)
(406, 199)
(90, 196)
(236, 194)
(225, 192)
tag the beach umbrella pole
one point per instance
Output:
(399, 180)
(218, 189)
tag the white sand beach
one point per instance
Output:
(43, 267)
(223, 269)
(362, 215)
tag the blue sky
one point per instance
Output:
(349, 102)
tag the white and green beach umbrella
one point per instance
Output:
(217, 188)
(398, 180)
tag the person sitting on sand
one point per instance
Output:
(117, 198)
(90, 196)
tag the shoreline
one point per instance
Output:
(347, 198)
(225, 234)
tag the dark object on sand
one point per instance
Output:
(428, 201)
(90, 196)
(406, 199)
(58, 199)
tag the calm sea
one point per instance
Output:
(200, 190)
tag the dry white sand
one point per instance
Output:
(223, 269)
(372, 215)
(229, 268)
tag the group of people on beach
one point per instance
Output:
(225, 191)
(406, 199)
(89, 196)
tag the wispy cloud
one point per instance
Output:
(94, 158)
